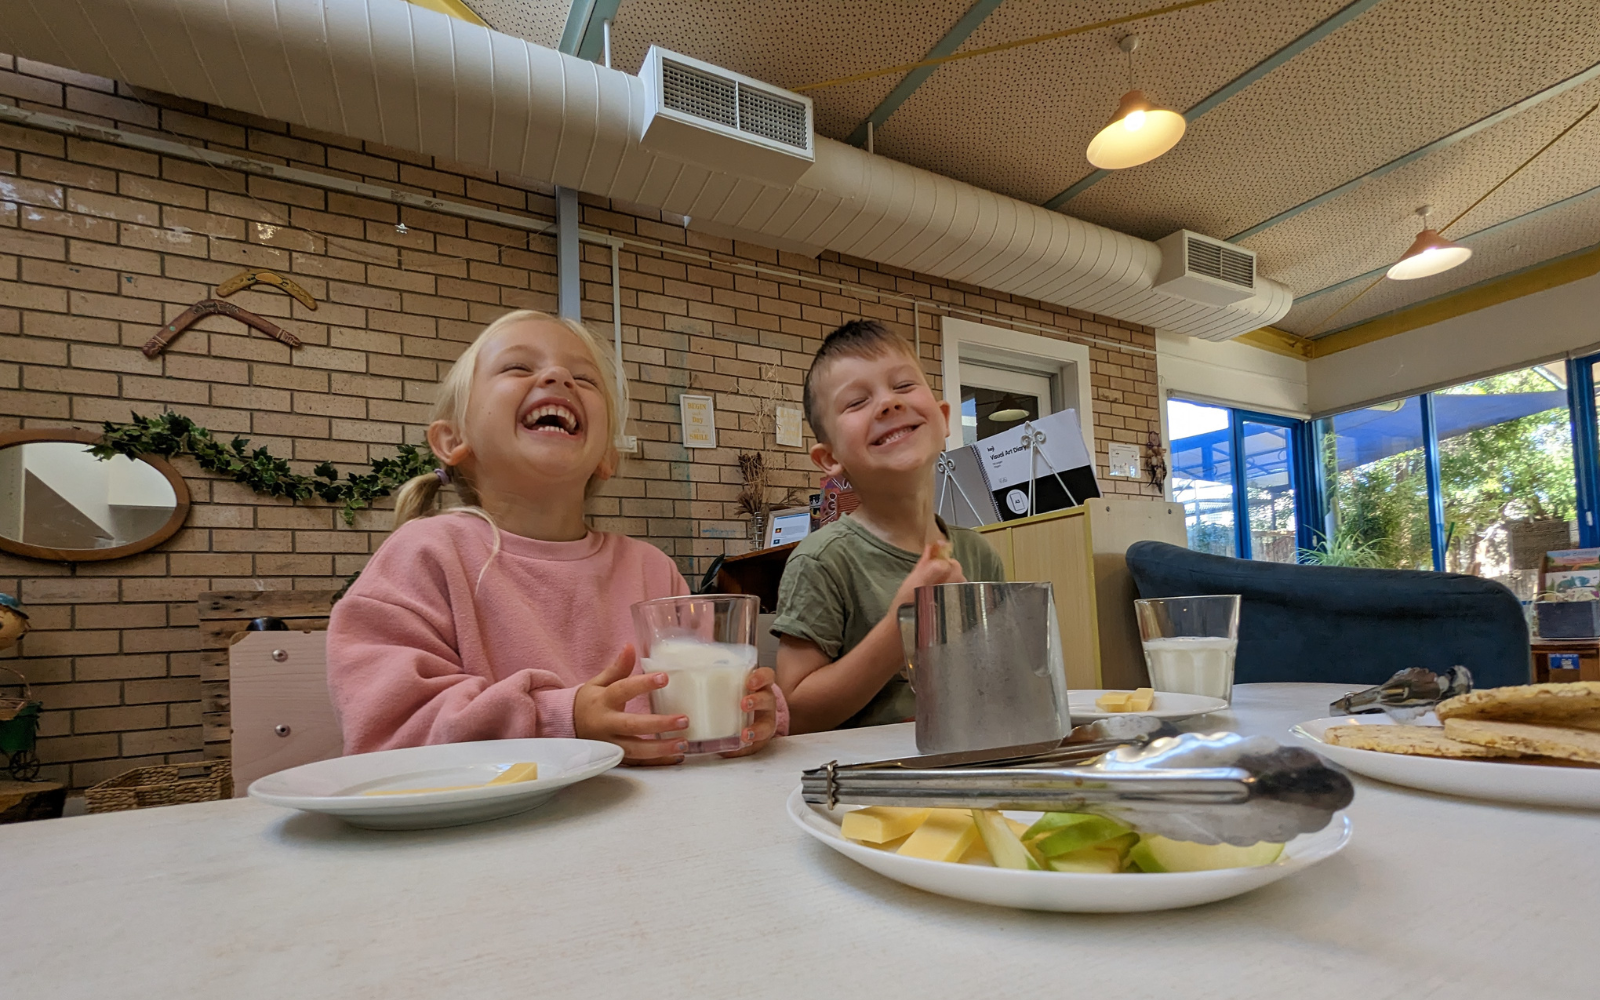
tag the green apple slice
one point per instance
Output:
(1051, 822)
(1158, 854)
(1002, 844)
(1092, 831)
(1089, 861)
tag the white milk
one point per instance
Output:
(1192, 665)
(705, 681)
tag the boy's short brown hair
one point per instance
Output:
(859, 338)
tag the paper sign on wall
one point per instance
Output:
(1124, 460)
(699, 418)
(788, 426)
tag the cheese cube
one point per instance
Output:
(1113, 701)
(1141, 700)
(881, 824)
(944, 836)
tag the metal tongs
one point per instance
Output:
(1408, 695)
(1209, 789)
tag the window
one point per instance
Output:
(1374, 468)
(987, 369)
(995, 399)
(1478, 478)
(1254, 507)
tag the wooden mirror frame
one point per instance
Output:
(180, 492)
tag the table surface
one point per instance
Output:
(692, 882)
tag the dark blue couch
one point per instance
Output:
(1348, 626)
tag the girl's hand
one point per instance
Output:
(599, 712)
(764, 703)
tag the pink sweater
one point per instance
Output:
(420, 652)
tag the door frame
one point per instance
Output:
(1026, 350)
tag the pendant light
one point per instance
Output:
(1008, 410)
(1139, 131)
(1430, 253)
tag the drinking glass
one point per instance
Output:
(706, 645)
(1190, 642)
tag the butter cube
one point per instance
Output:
(1141, 700)
(881, 824)
(1113, 701)
(944, 836)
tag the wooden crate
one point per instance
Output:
(223, 617)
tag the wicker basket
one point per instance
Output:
(163, 785)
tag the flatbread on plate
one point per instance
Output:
(1417, 741)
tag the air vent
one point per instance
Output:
(703, 114)
(686, 89)
(775, 118)
(1218, 260)
(1202, 269)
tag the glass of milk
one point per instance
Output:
(1190, 642)
(706, 645)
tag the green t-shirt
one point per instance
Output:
(837, 585)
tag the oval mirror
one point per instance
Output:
(59, 502)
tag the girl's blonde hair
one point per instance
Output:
(419, 496)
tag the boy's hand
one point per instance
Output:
(764, 703)
(935, 567)
(599, 712)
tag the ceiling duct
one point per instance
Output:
(395, 73)
(1202, 269)
(700, 113)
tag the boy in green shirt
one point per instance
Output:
(879, 425)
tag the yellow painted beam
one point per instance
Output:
(1270, 338)
(454, 8)
(1538, 278)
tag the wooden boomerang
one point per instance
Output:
(244, 279)
(213, 307)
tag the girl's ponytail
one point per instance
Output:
(417, 497)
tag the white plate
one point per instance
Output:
(1167, 705)
(335, 786)
(1067, 892)
(1529, 784)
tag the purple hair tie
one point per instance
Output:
(444, 476)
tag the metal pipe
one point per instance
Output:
(569, 288)
(605, 41)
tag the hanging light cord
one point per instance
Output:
(1003, 46)
(1502, 183)
(1535, 156)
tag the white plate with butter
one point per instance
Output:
(1533, 784)
(1065, 892)
(1168, 705)
(451, 784)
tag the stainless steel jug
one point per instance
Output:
(986, 665)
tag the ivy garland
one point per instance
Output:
(174, 434)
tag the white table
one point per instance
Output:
(692, 883)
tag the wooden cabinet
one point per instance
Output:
(1080, 552)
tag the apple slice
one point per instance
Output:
(1092, 831)
(1002, 842)
(1158, 854)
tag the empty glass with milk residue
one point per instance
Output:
(1190, 643)
(706, 645)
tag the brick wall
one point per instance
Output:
(100, 245)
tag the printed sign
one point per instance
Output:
(699, 418)
(1124, 460)
(1563, 661)
(788, 426)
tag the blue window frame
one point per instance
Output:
(1247, 480)
(1471, 478)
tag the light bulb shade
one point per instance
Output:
(1430, 254)
(1138, 133)
(1008, 410)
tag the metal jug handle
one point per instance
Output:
(906, 615)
